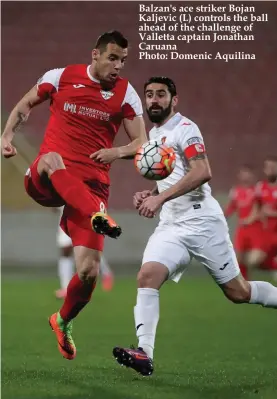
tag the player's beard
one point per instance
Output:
(160, 117)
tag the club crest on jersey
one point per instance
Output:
(106, 94)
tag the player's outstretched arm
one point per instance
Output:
(199, 173)
(18, 116)
(135, 129)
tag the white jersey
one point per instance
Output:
(185, 138)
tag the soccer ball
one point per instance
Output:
(154, 160)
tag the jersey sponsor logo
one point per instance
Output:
(78, 86)
(194, 140)
(93, 113)
(70, 108)
(86, 111)
(106, 94)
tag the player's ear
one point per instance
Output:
(95, 54)
(175, 100)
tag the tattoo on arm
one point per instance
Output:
(21, 118)
(198, 157)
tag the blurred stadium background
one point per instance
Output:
(206, 346)
(233, 103)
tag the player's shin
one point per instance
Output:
(78, 295)
(146, 312)
(263, 293)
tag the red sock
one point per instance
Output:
(243, 270)
(78, 295)
(74, 192)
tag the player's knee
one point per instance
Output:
(89, 269)
(50, 162)
(152, 275)
(240, 293)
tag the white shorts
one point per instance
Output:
(63, 240)
(206, 239)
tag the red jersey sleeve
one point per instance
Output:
(48, 84)
(131, 105)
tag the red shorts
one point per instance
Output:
(74, 224)
(247, 238)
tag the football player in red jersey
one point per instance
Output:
(88, 103)
(266, 255)
(242, 199)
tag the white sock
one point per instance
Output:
(104, 266)
(263, 293)
(65, 270)
(147, 312)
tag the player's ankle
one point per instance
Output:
(148, 349)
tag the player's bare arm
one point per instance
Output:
(230, 209)
(17, 118)
(199, 173)
(254, 215)
(135, 129)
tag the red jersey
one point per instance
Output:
(267, 195)
(241, 201)
(84, 117)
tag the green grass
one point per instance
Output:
(206, 347)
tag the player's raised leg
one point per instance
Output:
(218, 255)
(79, 293)
(75, 193)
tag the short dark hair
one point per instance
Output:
(272, 158)
(112, 36)
(163, 80)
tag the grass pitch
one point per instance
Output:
(206, 347)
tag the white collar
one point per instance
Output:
(91, 77)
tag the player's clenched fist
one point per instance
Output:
(7, 149)
(139, 197)
(106, 155)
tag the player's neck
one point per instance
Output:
(165, 120)
(93, 74)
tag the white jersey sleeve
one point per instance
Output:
(131, 105)
(190, 140)
(49, 82)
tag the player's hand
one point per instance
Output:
(139, 197)
(106, 155)
(7, 149)
(150, 206)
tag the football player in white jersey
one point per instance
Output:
(192, 225)
(66, 265)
